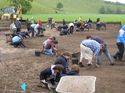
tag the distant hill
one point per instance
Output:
(69, 6)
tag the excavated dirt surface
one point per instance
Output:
(19, 65)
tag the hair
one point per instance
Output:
(75, 67)
(55, 41)
(52, 37)
(66, 54)
(58, 67)
(88, 37)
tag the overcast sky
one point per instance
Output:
(121, 1)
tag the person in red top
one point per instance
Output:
(49, 47)
(40, 23)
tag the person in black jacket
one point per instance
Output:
(63, 60)
(49, 76)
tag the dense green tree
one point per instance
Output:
(26, 4)
(59, 5)
(102, 10)
(109, 11)
(118, 10)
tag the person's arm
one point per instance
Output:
(97, 51)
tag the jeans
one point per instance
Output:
(48, 51)
(120, 52)
(107, 54)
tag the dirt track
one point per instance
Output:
(19, 65)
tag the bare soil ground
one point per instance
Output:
(19, 65)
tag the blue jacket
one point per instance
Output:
(121, 35)
(16, 39)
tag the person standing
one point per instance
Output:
(18, 25)
(120, 41)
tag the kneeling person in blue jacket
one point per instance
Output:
(17, 41)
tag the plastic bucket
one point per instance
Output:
(37, 53)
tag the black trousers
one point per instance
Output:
(120, 52)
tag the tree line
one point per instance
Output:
(109, 10)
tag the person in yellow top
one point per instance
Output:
(80, 19)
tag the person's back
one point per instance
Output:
(61, 60)
(23, 34)
(98, 39)
(16, 39)
(89, 48)
(70, 24)
(93, 45)
(121, 35)
(104, 49)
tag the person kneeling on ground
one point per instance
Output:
(49, 47)
(50, 76)
(17, 41)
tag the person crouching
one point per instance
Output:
(50, 76)
(49, 47)
(17, 41)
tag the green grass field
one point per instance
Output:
(72, 17)
(42, 9)
(69, 6)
